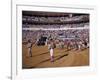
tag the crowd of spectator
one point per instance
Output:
(63, 34)
(54, 19)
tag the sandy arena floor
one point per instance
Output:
(62, 58)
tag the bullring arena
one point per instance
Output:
(62, 58)
(69, 32)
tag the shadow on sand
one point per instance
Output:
(55, 59)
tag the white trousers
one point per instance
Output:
(51, 52)
(29, 51)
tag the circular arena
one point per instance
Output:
(54, 39)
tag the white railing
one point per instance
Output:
(32, 29)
